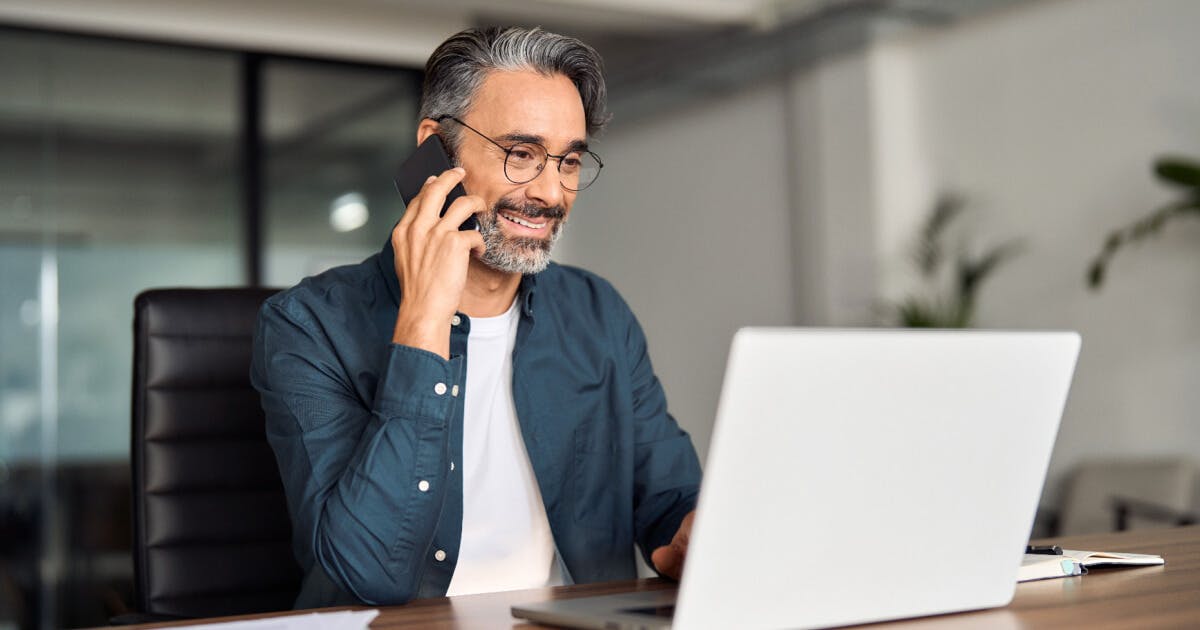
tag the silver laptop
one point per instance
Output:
(859, 476)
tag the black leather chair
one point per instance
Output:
(210, 523)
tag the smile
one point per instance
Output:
(524, 222)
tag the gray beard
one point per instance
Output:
(520, 254)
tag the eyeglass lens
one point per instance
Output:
(577, 170)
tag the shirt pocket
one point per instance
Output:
(594, 482)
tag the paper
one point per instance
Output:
(341, 620)
(1043, 566)
(1092, 559)
(1072, 562)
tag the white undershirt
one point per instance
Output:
(506, 540)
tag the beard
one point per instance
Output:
(518, 254)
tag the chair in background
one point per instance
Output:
(210, 522)
(1107, 495)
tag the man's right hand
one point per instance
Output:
(432, 256)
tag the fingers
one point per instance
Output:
(410, 209)
(474, 240)
(463, 241)
(439, 242)
(433, 195)
(668, 561)
(421, 214)
(462, 208)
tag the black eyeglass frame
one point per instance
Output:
(508, 152)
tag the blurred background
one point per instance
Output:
(986, 163)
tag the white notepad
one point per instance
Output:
(338, 620)
(1075, 562)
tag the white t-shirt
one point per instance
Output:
(506, 540)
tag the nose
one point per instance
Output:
(546, 188)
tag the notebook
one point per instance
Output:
(1074, 562)
(846, 467)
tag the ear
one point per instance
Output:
(427, 128)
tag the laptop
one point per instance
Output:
(858, 476)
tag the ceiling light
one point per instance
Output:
(348, 212)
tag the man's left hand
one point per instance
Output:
(668, 559)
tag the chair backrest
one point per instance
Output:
(1170, 482)
(211, 528)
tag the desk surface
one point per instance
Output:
(1150, 597)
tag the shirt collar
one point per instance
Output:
(387, 266)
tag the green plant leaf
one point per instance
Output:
(972, 273)
(1140, 229)
(955, 306)
(916, 312)
(1180, 171)
(1113, 241)
(929, 251)
(1095, 275)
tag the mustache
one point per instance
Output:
(531, 210)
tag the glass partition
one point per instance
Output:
(333, 138)
(121, 170)
(118, 172)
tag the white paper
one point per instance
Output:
(341, 620)
(1112, 558)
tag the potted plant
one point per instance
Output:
(953, 306)
(1182, 173)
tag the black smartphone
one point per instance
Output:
(430, 158)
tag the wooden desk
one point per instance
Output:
(1150, 597)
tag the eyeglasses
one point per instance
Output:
(524, 161)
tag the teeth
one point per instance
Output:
(520, 221)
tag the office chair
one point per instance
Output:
(210, 523)
(1119, 493)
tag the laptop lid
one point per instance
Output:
(858, 476)
(865, 475)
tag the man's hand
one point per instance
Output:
(431, 263)
(668, 559)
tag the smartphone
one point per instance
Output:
(430, 158)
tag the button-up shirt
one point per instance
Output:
(366, 432)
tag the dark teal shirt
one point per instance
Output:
(365, 432)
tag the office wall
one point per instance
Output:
(690, 221)
(1045, 116)
(793, 201)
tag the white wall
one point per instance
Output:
(690, 221)
(792, 201)
(860, 182)
(832, 185)
(1045, 115)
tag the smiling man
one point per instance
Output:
(458, 414)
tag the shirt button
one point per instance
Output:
(455, 321)
(439, 555)
(451, 465)
(439, 389)
(423, 486)
(454, 391)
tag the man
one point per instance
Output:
(458, 414)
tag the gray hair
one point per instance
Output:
(456, 70)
